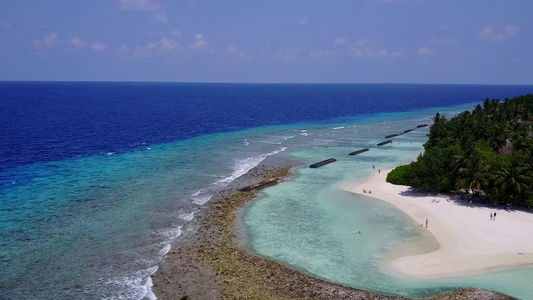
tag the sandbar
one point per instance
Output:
(470, 242)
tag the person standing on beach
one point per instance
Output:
(426, 223)
(379, 171)
(494, 216)
(491, 216)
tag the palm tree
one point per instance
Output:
(514, 179)
(474, 175)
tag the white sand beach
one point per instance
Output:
(470, 242)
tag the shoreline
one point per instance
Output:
(469, 242)
(215, 262)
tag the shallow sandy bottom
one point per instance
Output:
(470, 241)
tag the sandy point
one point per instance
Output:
(470, 241)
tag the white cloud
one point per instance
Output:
(425, 51)
(46, 43)
(240, 54)
(77, 42)
(98, 47)
(303, 22)
(165, 45)
(321, 54)
(367, 49)
(139, 5)
(491, 35)
(340, 41)
(169, 44)
(199, 42)
(289, 54)
(176, 33)
(161, 18)
(397, 54)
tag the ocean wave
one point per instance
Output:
(134, 286)
(340, 127)
(197, 192)
(164, 250)
(203, 198)
(148, 287)
(186, 216)
(172, 233)
(240, 167)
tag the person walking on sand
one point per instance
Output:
(494, 216)
(491, 216)
(426, 223)
(379, 171)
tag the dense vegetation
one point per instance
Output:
(487, 153)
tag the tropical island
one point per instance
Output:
(486, 153)
(482, 161)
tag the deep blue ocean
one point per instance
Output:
(97, 180)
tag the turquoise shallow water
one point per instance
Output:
(310, 224)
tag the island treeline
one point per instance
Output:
(486, 152)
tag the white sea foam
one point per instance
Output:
(164, 250)
(134, 286)
(187, 217)
(198, 192)
(148, 286)
(172, 233)
(201, 196)
(341, 127)
(304, 134)
(241, 167)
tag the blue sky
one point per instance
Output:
(357, 41)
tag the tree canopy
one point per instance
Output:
(486, 152)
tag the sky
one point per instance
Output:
(269, 41)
